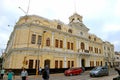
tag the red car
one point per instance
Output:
(73, 71)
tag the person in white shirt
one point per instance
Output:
(40, 70)
(24, 74)
(2, 73)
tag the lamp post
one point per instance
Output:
(39, 46)
(37, 67)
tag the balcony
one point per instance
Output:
(84, 52)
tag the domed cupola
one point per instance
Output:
(75, 18)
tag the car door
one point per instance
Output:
(102, 72)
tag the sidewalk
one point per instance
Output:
(112, 74)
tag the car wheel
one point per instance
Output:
(80, 73)
(107, 74)
(71, 74)
(65, 74)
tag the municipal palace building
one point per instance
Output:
(37, 41)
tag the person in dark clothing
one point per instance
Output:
(45, 74)
(118, 70)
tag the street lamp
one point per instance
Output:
(26, 12)
(38, 61)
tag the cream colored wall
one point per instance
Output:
(23, 39)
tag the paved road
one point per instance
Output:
(60, 76)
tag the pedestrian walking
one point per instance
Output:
(10, 75)
(45, 74)
(40, 70)
(24, 74)
(2, 73)
(83, 69)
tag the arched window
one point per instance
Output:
(70, 30)
(48, 42)
(89, 37)
(94, 39)
(59, 27)
(82, 46)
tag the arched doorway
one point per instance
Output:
(47, 62)
(83, 63)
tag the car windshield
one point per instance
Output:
(97, 68)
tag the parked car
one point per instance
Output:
(73, 71)
(99, 71)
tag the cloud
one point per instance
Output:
(3, 20)
(101, 16)
(116, 45)
(117, 9)
(111, 28)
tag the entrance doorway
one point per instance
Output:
(47, 62)
(30, 64)
(83, 62)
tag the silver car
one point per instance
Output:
(99, 71)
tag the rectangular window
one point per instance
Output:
(56, 43)
(30, 64)
(101, 63)
(48, 42)
(37, 63)
(71, 46)
(97, 63)
(72, 64)
(91, 48)
(33, 39)
(68, 45)
(39, 39)
(95, 50)
(68, 64)
(91, 63)
(99, 50)
(61, 64)
(56, 64)
(61, 44)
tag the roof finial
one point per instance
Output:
(75, 5)
(28, 7)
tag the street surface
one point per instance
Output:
(60, 76)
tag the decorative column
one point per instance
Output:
(52, 41)
(77, 44)
(64, 46)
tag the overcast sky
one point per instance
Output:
(102, 17)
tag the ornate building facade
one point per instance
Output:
(37, 41)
